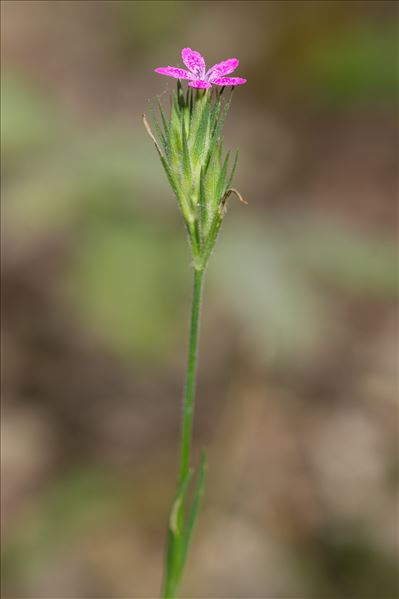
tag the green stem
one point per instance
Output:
(178, 535)
(189, 392)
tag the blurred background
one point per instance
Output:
(297, 395)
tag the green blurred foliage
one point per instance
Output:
(137, 30)
(357, 64)
(267, 275)
(67, 511)
(28, 122)
(127, 284)
(281, 314)
(346, 258)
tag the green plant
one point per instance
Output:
(190, 148)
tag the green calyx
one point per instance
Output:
(190, 147)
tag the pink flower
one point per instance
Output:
(198, 76)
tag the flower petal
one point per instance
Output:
(175, 72)
(199, 84)
(193, 61)
(223, 68)
(229, 81)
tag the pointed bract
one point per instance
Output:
(190, 146)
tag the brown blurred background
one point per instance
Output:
(297, 397)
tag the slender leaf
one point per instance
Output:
(233, 170)
(171, 179)
(175, 532)
(201, 134)
(212, 175)
(202, 204)
(215, 115)
(158, 130)
(212, 236)
(186, 153)
(163, 117)
(217, 131)
(175, 132)
(180, 95)
(194, 509)
(221, 188)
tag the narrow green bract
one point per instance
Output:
(191, 150)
